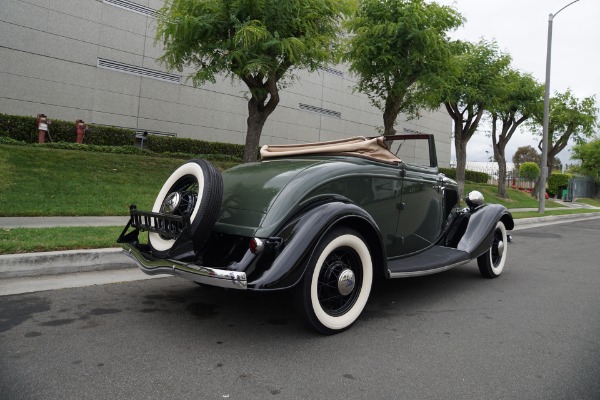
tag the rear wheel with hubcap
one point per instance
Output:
(337, 282)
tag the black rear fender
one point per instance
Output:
(301, 235)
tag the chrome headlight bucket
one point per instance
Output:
(474, 199)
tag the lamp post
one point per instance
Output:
(544, 176)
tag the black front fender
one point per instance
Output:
(301, 235)
(479, 234)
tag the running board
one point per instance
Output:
(435, 259)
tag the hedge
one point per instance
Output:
(529, 170)
(471, 176)
(557, 182)
(163, 144)
(23, 128)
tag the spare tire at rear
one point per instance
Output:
(194, 189)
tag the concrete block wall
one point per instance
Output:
(49, 62)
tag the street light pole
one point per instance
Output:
(544, 176)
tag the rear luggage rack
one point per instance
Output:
(168, 226)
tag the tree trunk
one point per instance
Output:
(501, 160)
(255, 123)
(461, 161)
(393, 105)
(389, 121)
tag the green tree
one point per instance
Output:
(557, 182)
(570, 118)
(529, 171)
(589, 156)
(473, 84)
(259, 42)
(522, 97)
(395, 48)
(524, 154)
(529, 153)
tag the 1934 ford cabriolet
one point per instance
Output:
(320, 219)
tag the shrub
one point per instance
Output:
(529, 171)
(167, 144)
(449, 172)
(18, 128)
(557, 182)
(23, 128)
(7, 140)
(471, 176)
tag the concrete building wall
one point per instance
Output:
(92, 59)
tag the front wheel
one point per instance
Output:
(491, 263)
(337, 282)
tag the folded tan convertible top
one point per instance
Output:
(357, 146)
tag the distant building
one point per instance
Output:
(484, 166)
(95, 60)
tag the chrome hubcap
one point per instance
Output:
(346, 282)
(500, 248)
(171, 203)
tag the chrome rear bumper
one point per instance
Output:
(196, 273)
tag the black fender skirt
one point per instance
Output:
(301, 235)
(479, 235)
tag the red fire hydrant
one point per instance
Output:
(42, 122)
(80, 128)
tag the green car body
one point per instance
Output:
(323, 225)
(405, 201)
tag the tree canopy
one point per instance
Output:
(529, 170)
(570, 118)
(526, 154)
(395, 47)
(520, 99)
(257, 41)
(589, 155)
(471, 85)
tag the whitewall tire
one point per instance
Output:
(491, 263)
(194, 189)
(337, 282)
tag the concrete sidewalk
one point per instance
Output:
(15, 266)
(50, 222)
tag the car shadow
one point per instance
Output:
(221, 310)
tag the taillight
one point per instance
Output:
(256, 245)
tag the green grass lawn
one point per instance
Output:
(27, 240)
(591, 202)
(38, 181)
(516, 198)
(48, 182)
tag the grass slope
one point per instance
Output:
(516, 198)
(48, 182)
(38, 181)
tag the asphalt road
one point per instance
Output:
(533, 333)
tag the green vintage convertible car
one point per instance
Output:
(321, 220)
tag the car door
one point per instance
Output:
(420, 218)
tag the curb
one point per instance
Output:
(62, 262)
(553, 218)
(73, 261)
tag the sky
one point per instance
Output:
(520, 27)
